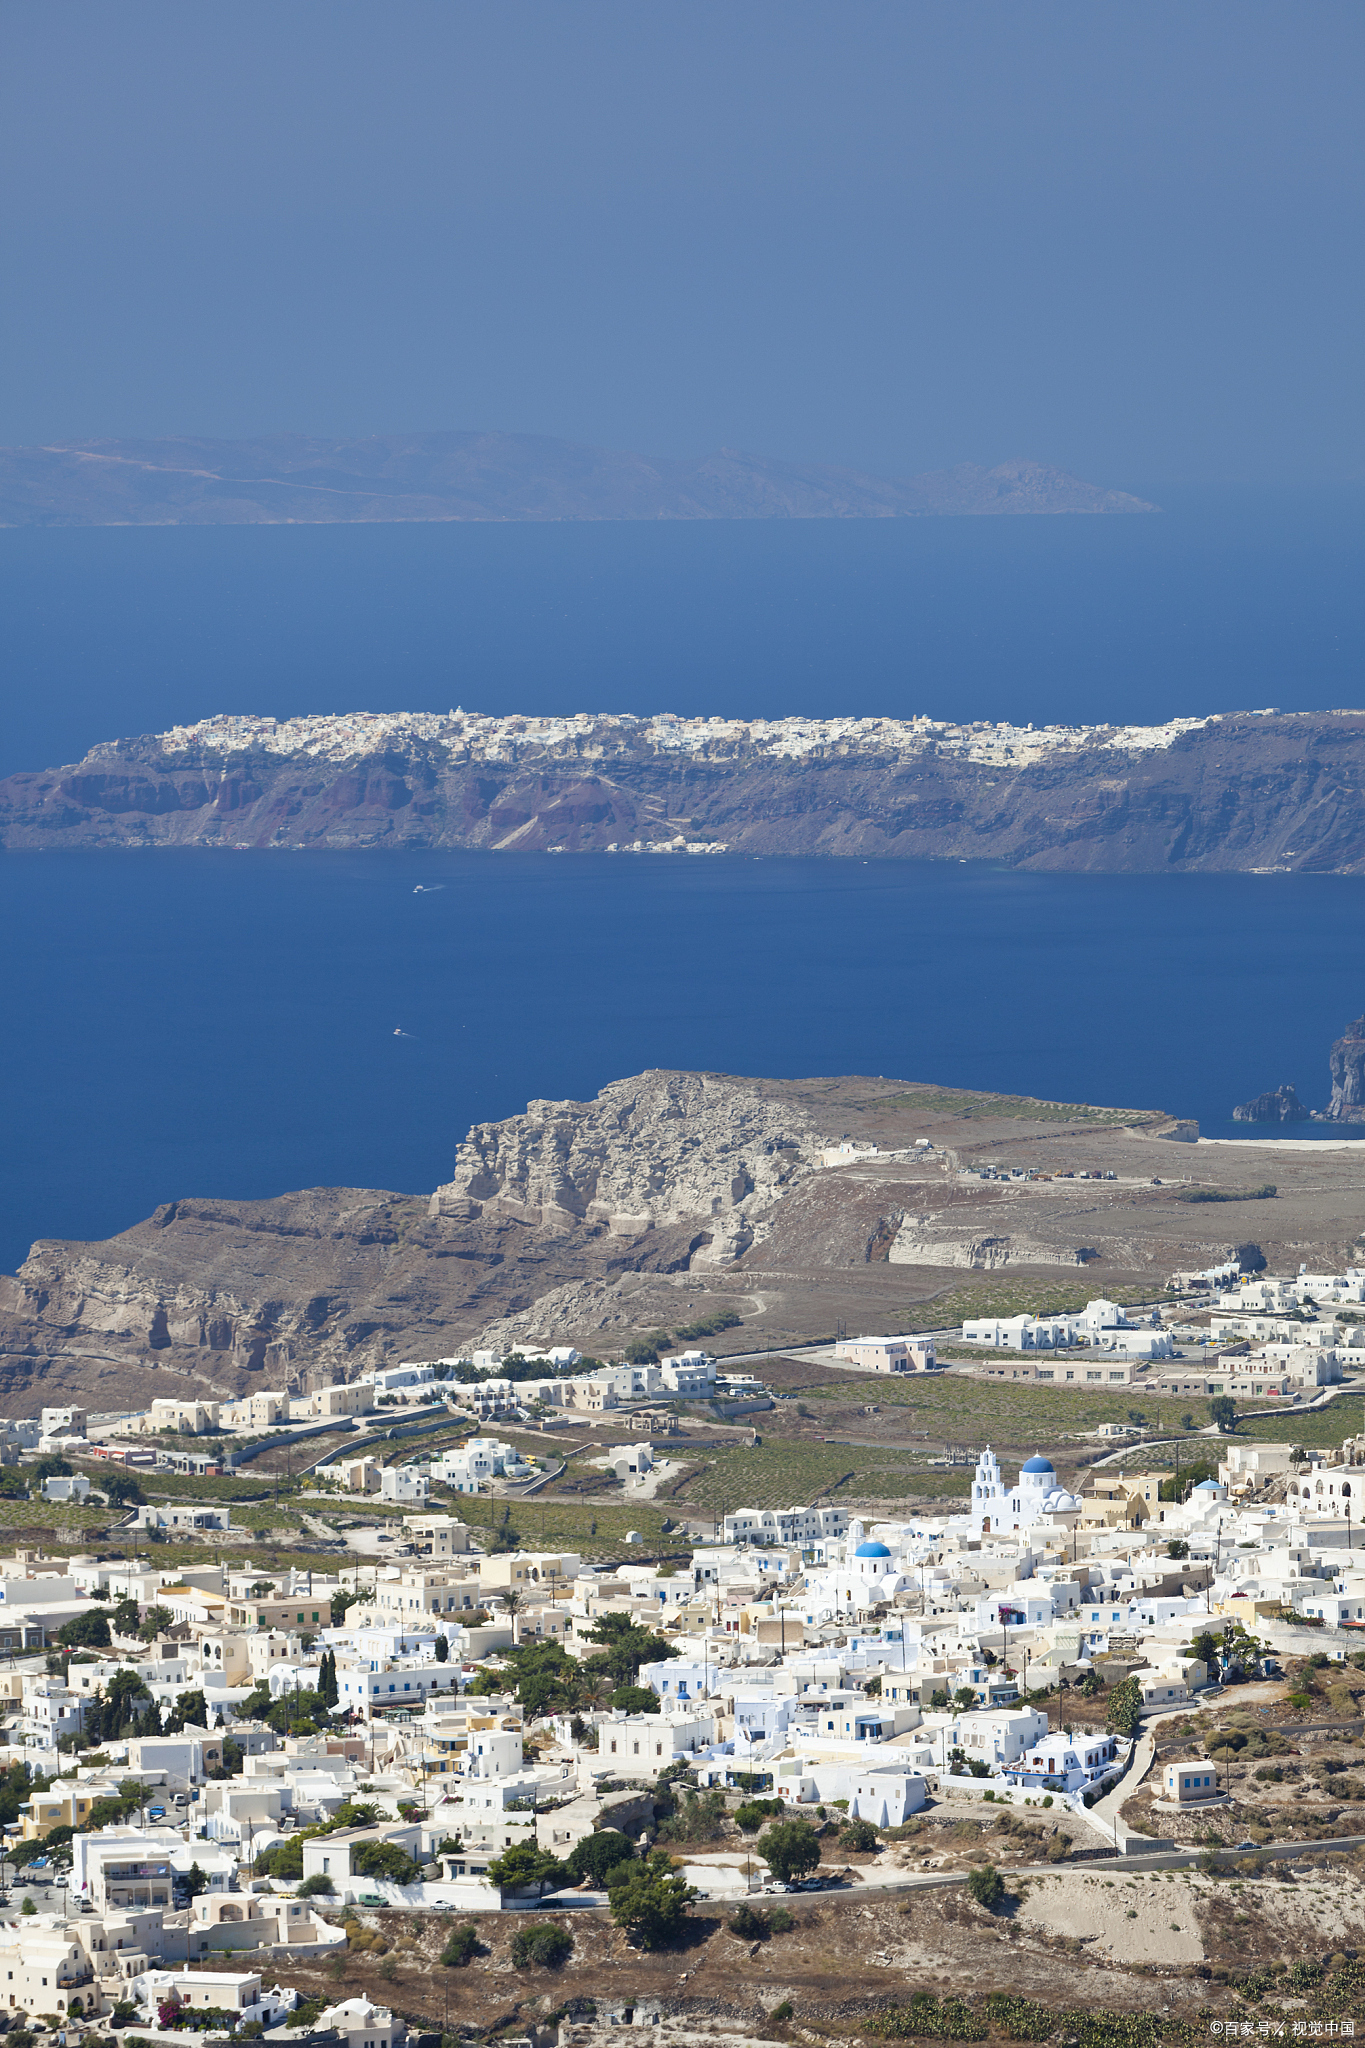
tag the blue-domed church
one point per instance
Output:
(998, 1510)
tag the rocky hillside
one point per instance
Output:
(1245, 792)
(471, 476)
(672, 1199)
(660, 1149)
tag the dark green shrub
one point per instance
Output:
(748, 1923)
(462, 1947)
(986, 1885)
(750, 1816)
(543, 1947)
(598, 1853)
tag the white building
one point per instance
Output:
(405, 1483)
(798, 1526)
(74, 1487)
(1000, 1510)
(886, 1794)
(362, 2025)
(689, 1374)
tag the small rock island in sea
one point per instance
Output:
(1347, 1106)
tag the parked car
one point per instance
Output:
(370, 1899)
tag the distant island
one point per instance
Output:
(1264, 792)
(290, 479)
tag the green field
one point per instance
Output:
(950, 1408)
(1327, 1426)
(782, 1475)
(963, 1103)
(1013, 1298)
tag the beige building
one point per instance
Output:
(358, 1475)
(426, 1592)
(1246, 1467)
(437, 1535)
(226, 1653)
(265, 1410)
(1190, 1783)
(888, 1354)
(278, 1610)
(61, 1806)
(234, 1920)
(47, 1971)
(1059, 1370)
(521, 1569)
(357, 1398)
(191, 1418)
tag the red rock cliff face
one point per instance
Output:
(1244, 793)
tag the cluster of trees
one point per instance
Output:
(1125, 1708)
(95, 1629)
(648, 1895)
(1190, 1475)
(547, 1680)
(293, 1713)
(369, 1859)
(964, 1699)
(125, 1708)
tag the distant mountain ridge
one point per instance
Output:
(292, 479)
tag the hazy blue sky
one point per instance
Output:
(1121, 237)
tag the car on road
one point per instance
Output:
(370, 1899)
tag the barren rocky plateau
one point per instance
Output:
(1246, 792)
(670, 1198)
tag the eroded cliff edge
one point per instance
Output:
(1247, 792)
(668, 1199)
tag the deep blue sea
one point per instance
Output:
(223, 1024)
(206, 1023)
(1227, 600)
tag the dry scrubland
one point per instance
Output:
(1103, 1953)
(1090, 1954)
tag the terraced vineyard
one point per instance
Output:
(781, 1475)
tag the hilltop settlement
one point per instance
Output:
(820, 1562)
(225, 1784)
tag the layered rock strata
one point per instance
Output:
(661, 1148)
(1246, 792)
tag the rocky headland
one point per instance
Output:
(771, 1209)
(1277, 1106)
(1346, 1063)
(1250, 792)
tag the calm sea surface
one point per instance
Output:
(223, 1024)
(1226, 601)
(202, 1023)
